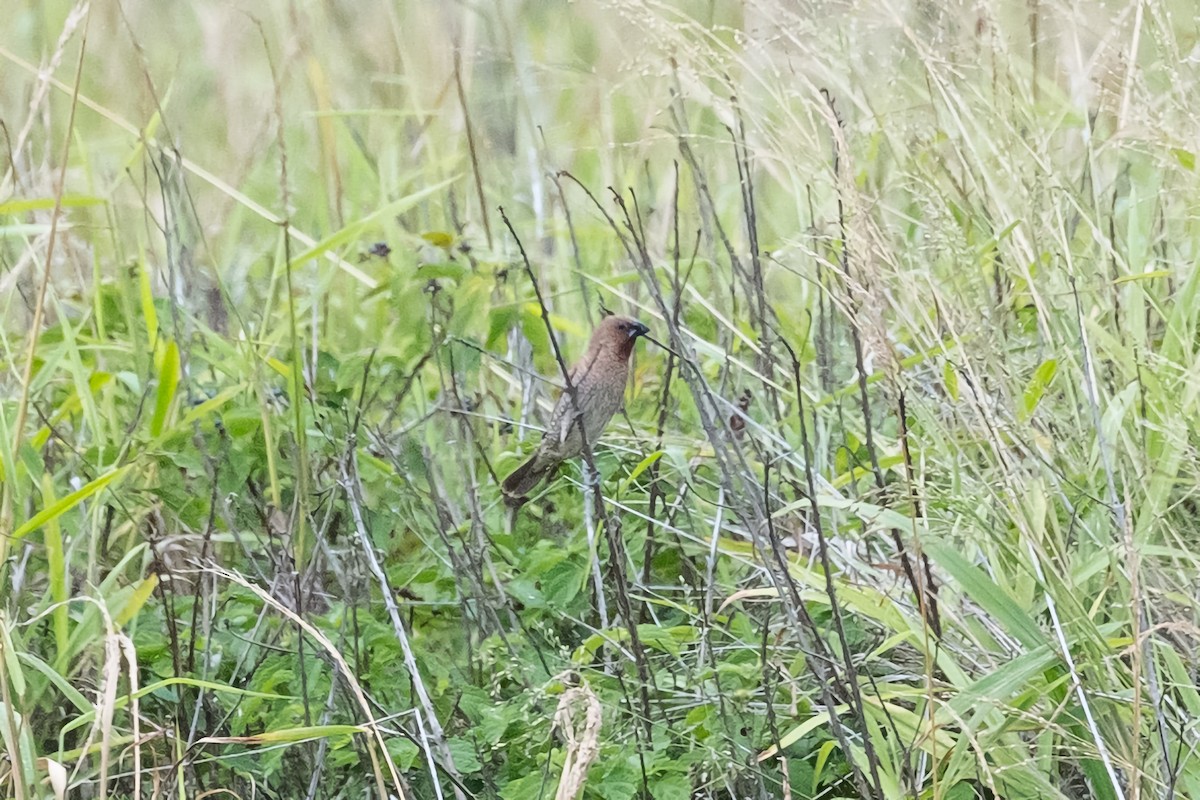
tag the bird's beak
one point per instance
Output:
(637, 330)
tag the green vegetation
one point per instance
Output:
(903, 500)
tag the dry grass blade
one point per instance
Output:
(578, 720)
(344, 669)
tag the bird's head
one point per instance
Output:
(618, 334)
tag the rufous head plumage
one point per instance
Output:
(617, 334)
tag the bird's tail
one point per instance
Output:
(524, 478)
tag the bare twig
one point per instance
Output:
(733, 469)
(610, 523)
(432, 737)
(462, 101)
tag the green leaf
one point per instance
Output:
(950, 380)
(58, 681)
(168, 381)
(16, 676)
(961, 791)
(442, 269)
(212, 404)
(642, 466)
(672, 787)
(535, 331)
(57, 575)
(822, 758)
(141, 594)
(14, 207)
(493, 726)
(404, 752)
(984, 591)
(816, 722)
(123, 699)
(562, 583)
(149, 313)
(60, 507)
(499, 321)
(352, 231)
(440, 239)
(998, 685)
(305, 733)
(465, 757)
(619, 782)
(528, 787)
(1041, 379)
(1144, 276)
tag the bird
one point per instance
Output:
(598, 380)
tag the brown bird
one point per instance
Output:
(599, 382)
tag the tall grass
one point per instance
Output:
(902, 500)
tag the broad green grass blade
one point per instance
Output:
(60, 507)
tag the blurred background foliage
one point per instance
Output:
(902, 502)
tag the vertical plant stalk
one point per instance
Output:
(610, 524)
(926, 600)
(299, 515)
(35, 328)
(347, 674)
(663, 398)
(432, 735)
(6, 494)
(855, 693)
(1115, 507)
(475, 171)
(748, 505)
(927, 589)
(478, 558)
(298, 383)
(591, 482)
(708, 210)
(575, 252)
(10, 722)
(762, 313)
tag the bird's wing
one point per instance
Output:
(579, 373)
(565, 417)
